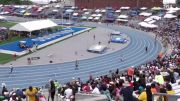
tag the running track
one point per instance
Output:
(134, 55)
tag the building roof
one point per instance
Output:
(33, 25)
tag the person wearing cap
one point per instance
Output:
(31, 93)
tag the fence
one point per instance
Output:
(168, 97)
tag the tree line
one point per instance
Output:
(17, 2)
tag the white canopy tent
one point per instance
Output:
(148, 19)
(55, 10)
(125, 8)
(122, 16)
(145, 14)
(94, 15)
(118, 11)
(85, 9)
(33, 25)
(165, 2)
(57, 6)
(103, 10)
(97, 18)
(147, 25)
(73, 7)
(75, 14)
(143, 8)
(122, 20)
(99, 15)
(86, 13)
(90, 18)
(156, 8)
(171, 12)
(173, 9)
(97, 10)
(84, 18)
(2, 18)
(69, 10)
(170, 16)
(155, 17)
(152, 21)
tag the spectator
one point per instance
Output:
(68, 92)
(153, 88)
(52, 90)
(87, 88)
(146, 95)
(169, 89)
(106, 92)
(14, 97)
(4, 90)
(117, 91)
(127, 92)
(31, 93)
(159, 78)
(162, 98)
(95, 89)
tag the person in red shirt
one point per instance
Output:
(14, 56)
(130, 72)
(131, 84)
(87, 88)
(153, 88)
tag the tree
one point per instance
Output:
(178, 3)
(17, 2)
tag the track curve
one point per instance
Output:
(134, 54)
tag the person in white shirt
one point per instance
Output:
(68, 92)
(95, 89)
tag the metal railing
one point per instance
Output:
(158, 97)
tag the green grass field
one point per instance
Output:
(7, 24)
(5, 58)
(13, 39)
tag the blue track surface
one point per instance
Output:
(14, 46)
(134, 55)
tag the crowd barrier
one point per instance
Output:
(168, 97)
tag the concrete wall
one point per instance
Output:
(117, 3)
(90, 97)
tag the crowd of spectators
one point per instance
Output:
(137, 83)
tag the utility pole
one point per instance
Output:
(137, 3)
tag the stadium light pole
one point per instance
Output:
(137, 3)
